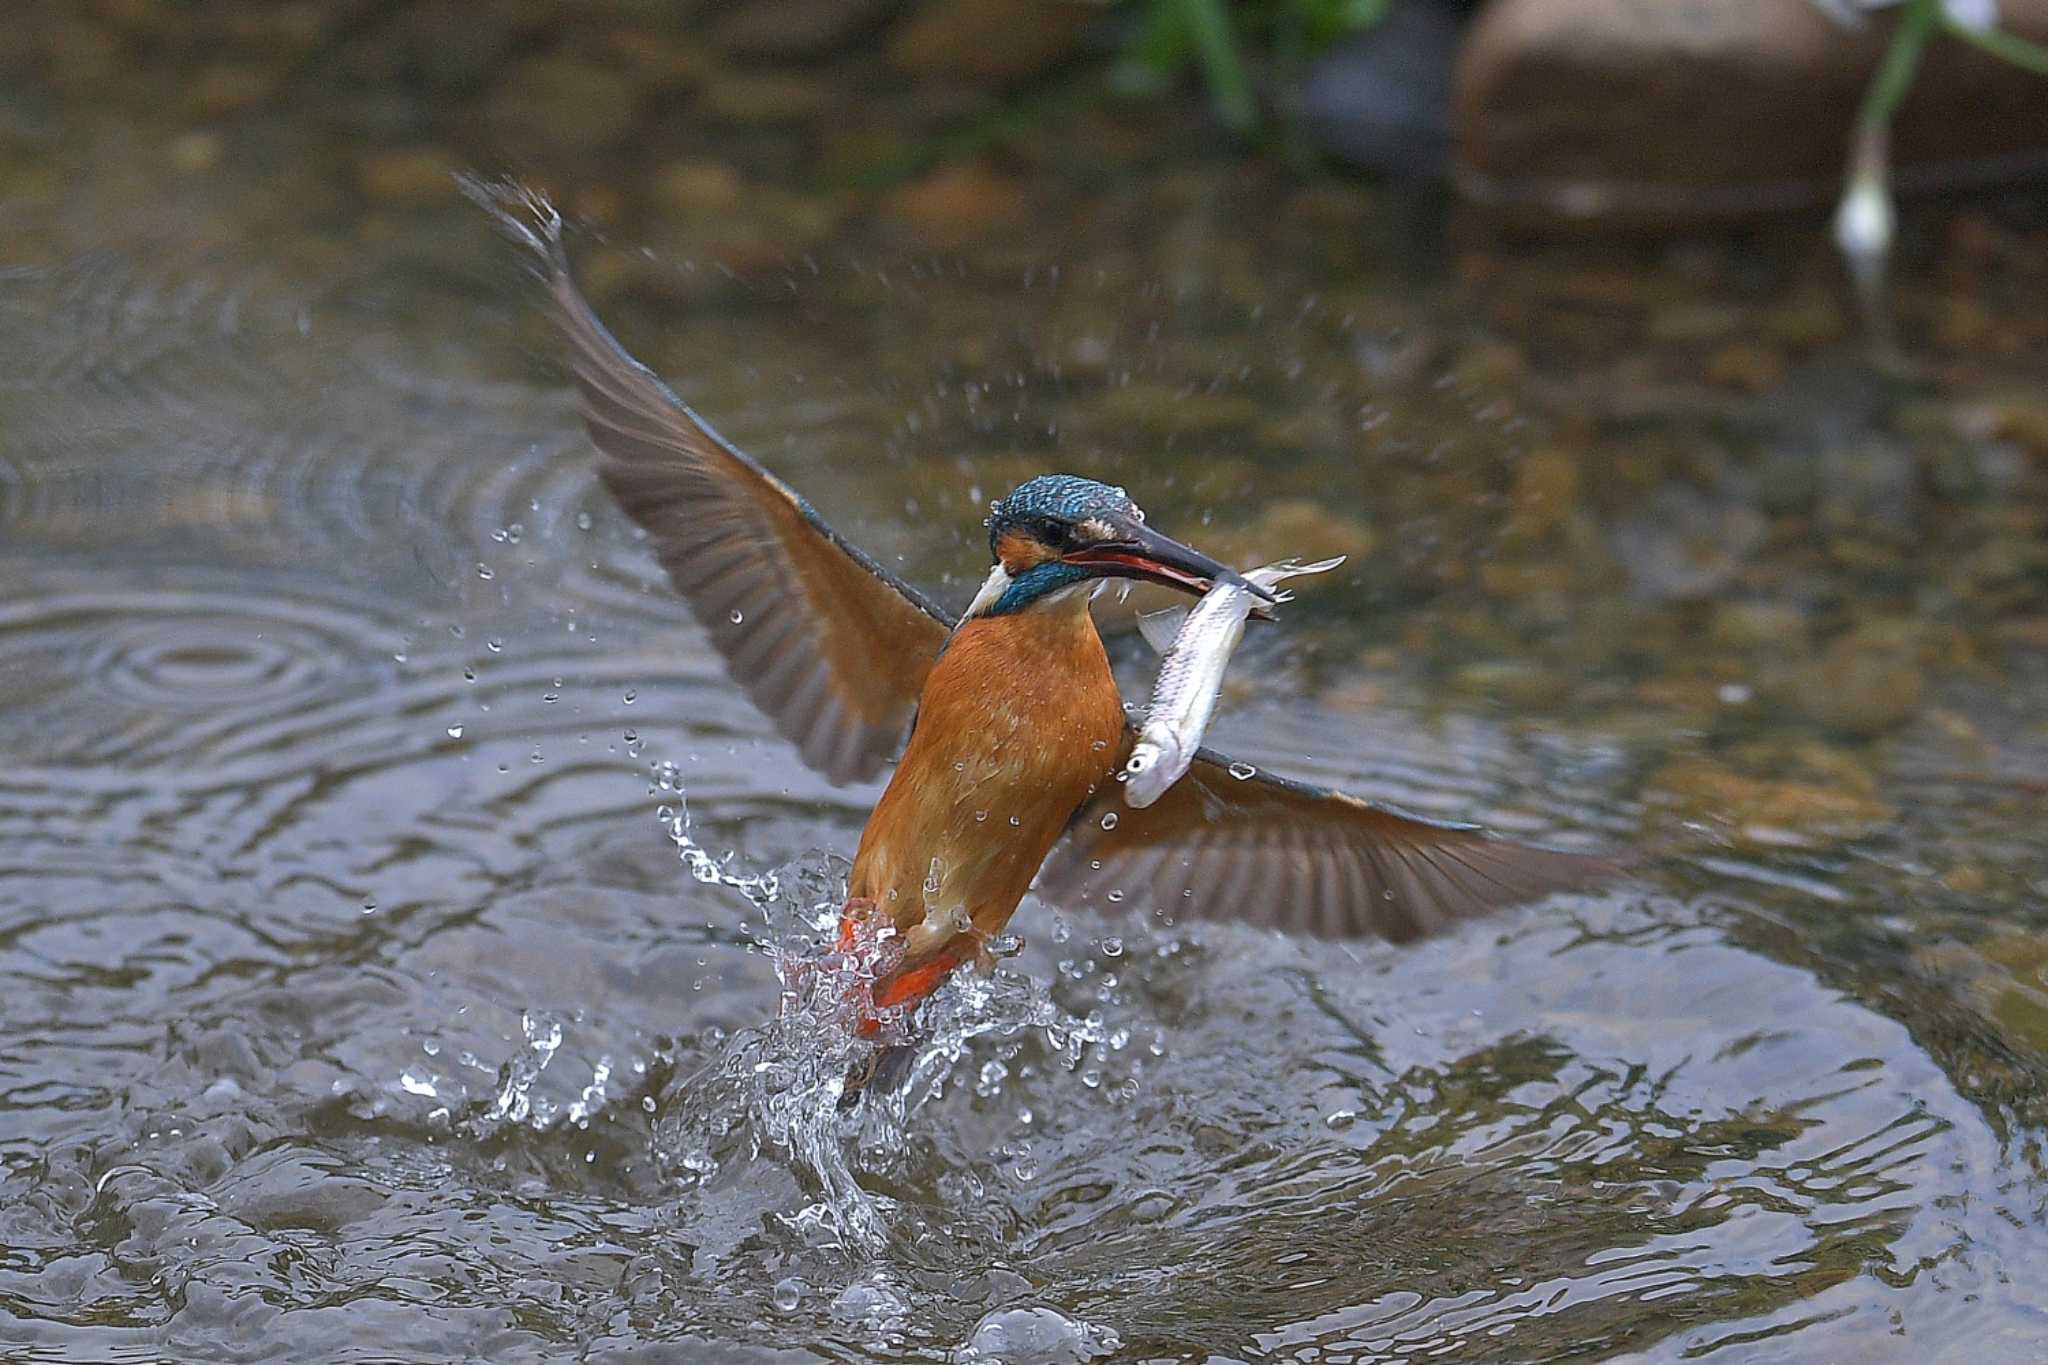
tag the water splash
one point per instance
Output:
(673, 810)
(829, 1085)
(516, 1103)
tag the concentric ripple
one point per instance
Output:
(203, 662)
(211, 407)
(139, 675)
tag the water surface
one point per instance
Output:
(357, 1004)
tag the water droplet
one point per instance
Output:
(1113, 947)
(980, 816)
(583, 521)
(736, 616)
(631, 696)
(1014, 822)
(469, 675)
(483, 571)
(455, 732)
(495, 646)
(369, 907)
(1242, 770)
(1115, 897)
(1109, 820)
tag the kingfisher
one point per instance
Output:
(1004, 724)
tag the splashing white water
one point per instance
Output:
(786, 1086)
(515, 1102)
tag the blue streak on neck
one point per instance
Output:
(1037, 581)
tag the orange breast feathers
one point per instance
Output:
(1019, 722)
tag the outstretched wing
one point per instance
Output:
(1293, 857)
(828, 643)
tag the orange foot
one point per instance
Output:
(900, 987)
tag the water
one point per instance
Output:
(356, 1003)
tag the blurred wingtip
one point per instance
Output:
(522, 213)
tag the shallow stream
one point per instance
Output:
(354, 1000)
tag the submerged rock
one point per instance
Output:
(957, 205)
(987, 40)
(799, 29)
(1865, 683)
(1768, 812)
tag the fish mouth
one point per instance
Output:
(1143, 553)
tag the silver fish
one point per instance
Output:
(1191, 674)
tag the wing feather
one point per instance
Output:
(1298, 858)
(833, 647)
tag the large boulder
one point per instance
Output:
(1656, 111)
(988, 41)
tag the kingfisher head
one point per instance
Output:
(1059, 532)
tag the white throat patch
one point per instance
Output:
(993, 587)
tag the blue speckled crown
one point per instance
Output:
(1053, 500)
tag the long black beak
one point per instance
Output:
(1143, 553)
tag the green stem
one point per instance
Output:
(1216, 47)
(1901, 60)
(2004, 46)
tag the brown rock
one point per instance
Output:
(1299, 528)
(765, 98)
(563, 103)
(1524, 578)
(688, 188)
(408, 175)
(954, 205)
(1758, 626)
(1514, 682)
(798, 29)
(1546, 487)
(223, 91)
(987, 40)
(1745, 367)
(1652, 112)
(2021, 418)
(195, 152)
(1763, 811)
(1863, 684)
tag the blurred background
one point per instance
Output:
(345, 971)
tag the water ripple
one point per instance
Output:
(264, 421)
